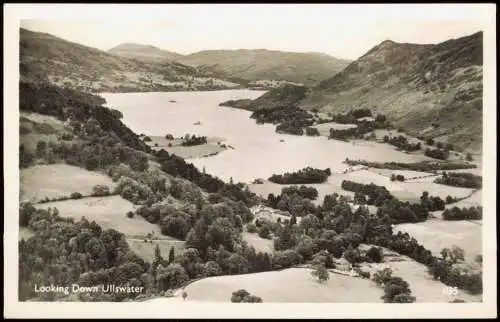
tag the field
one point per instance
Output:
(58, 180)
(187, 152)
(146, 250)
(108, 212)
(405, 191)
(324, 129)
(293, 285)
(260, 244)
(476, 199)
(434, 189)
(422, 286)
(436, 234)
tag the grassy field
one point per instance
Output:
(108, 212)
(57, 180)
(436, 234)
(293, 285)
(146, 250)
(260, 244)
(408, 174)
(324, 129)
(434, 189)
(476, 199)
(187, 152)
(25, 233)
(423, 287)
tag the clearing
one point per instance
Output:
(293, 285)
(436, 234)
(260, 244)
(58, 180)
(422, 285)
(108, 212)
(146, 250)
(25, 233)
(324, 128)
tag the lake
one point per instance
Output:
(258, 152)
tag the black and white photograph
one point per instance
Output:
(184, 156)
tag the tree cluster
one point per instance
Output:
(460, 179)
(302, 176)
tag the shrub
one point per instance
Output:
(321, 273)
(100, 190)
(242, 296)
(264, 231)
(374, 255)
(76, 195)
(130, 214)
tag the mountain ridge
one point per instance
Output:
(245, 64)
(47, 58)
(144, 52)
(430, 90)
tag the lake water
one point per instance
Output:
(258, 151)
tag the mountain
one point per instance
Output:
(144, 52)
(432, 90)
(261, 64)
(46, 58)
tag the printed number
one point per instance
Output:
(449, 290)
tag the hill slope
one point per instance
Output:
(261, 64)
(430, 90)
(46, 58)
(144, 52)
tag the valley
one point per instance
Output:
(160, 182)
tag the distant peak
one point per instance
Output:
(387, 42)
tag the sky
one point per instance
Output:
(342, 31)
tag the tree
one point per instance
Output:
(374, 255)
(404, 298)
(352, 255)
(396, 286)
(184, 295)
(264, 231)
(468, 157)
(41, 148)
(321, 273)
(100, 190)
(457, 254)
(381, 277)
(171, 255)
(130, 214)
(242, 296)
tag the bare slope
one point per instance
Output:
(44, 57)
(262, 64)
(433, 90)
(429, 90)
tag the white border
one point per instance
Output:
(483, 13)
